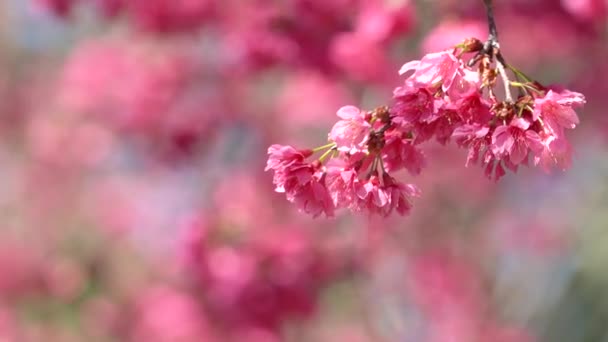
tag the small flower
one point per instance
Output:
(556, 109)
(371, 196)
(400, 153)
(340, 180)
(554, 151)
(311, 197)
(400, 195)
(382, 197)
(434, 69)
(471, 109)
(302, 183)
(412, 105)
(466, 82)
(352, 132)
(514, 141)
(475, 138)
(282, 158)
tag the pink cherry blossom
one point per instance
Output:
(474, 137)
(472, 109)
(434, 69)
(301, 182)
(282, 157)
(351, 134)
(412, 105)
(515, 141)
(555, 151)
(311, 196)
(381, 197)
(400, 195)
(340, 180)
(372, 197)
(399, 153)
(467, 82)
(556, 109)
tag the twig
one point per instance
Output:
(492, 48)
(493, 37)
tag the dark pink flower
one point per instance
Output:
(302, 183)
(283, 156)
(472, 109)
(400, 195)
(372, 197)
(478, 139)
(351, 134)
(513, 141)
(412, 105)
(494, 170)
(401, 153)
(474, 137)
(340, 180)
(310, 196)
(382, 197)
(443, 127)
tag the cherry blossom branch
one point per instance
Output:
(492, 49)
(493, 38)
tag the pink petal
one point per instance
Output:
(567, 117)
(349, 112)
(534, 141)
(520, 123)
(519, 151)
(381, 197)
(502, 140)
(413, 65)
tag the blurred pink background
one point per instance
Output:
(134, 204)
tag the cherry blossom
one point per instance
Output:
(350, 134)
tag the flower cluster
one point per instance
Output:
(451, 95)
(364, 148)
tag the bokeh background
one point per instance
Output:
(134, 205)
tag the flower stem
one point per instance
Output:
(518, 73)
(320, 148)
(327, 153)
(373, 169)
(526, 87)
